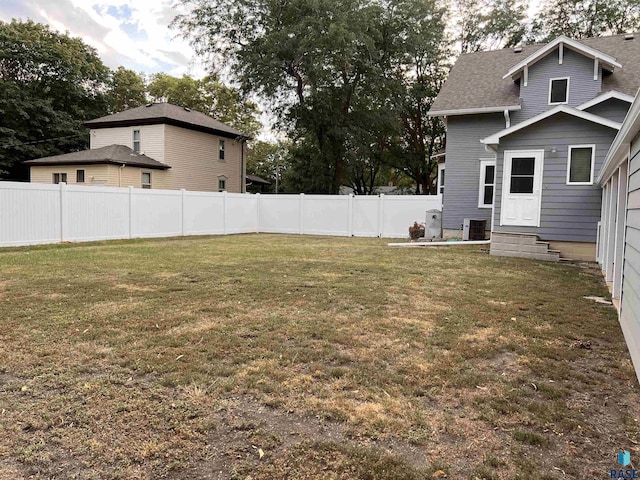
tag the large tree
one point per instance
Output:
(582, 19)
(49, 83)
(126, 90)
(489, 24)
(333, 70)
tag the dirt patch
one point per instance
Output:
(245, 428)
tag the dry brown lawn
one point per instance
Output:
(273, 357)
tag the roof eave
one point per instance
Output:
(165, 120)
(619, 149)
(473, 111)
(36, 163)
(494, 140)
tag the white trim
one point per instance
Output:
(484, 163)
(471, 111)
(620, 145)
(592, 146)
(560, 53)
(439, 155)
(566, 99)
(572, 44)
(495, 138)
(440, 185)
(538, 175)
(604, 97)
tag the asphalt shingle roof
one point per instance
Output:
(114, 154)
(475, 81)
(155, 113)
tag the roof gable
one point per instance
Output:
(562, 41)
(494, 139)
(604, 97)
(476, 81)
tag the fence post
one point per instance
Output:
(301, 217)
(350, 214)
(257, 212)
(130, 212)
(63, 217)
(224, 212)
(182, 232)
(381, 215)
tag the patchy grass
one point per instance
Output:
(269, 356)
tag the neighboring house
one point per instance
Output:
(619, 246)
(158, 145)
(528, 129)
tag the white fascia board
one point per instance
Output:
(537, 55)
(606, 96)
(495, 138)
(620, 146)
(471, 111)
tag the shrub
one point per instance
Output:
(416, 231)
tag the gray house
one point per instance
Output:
(528, 130)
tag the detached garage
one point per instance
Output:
(619, 238)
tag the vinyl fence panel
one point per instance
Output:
(39, 213)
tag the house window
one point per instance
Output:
(146, 179)
(222, 184)
(558, 91)
(221, 150)
(580, 162)
(136, 141)
(522, 174)
(487, 183)
(441, 179)
(59, 178)
(79, 176)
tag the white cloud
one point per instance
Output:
(132, 33)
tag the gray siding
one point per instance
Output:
(582, 86)
(568, 212)
(630, 308)
(613, 109)
(464, 152)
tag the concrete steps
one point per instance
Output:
(523, 245)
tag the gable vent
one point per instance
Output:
(517, 49)
(628, 36)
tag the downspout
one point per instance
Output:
(120, 174)
(507, 119)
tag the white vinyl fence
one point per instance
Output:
(32, 213)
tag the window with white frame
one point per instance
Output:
(221, 150)
(558, 91)
(487, 183)
(136, 141)
(222, 184)
(580, 161)
(146, 179)
(441, 178)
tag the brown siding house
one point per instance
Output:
(159, 145)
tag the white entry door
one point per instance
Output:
(522, 188)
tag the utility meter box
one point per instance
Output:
(433, 224)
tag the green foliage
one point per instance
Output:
(49, 84)
(582, 19)
(271, 161)
(127, 90)
(337, 74)
(489, 24)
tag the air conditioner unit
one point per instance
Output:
(473, 229)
